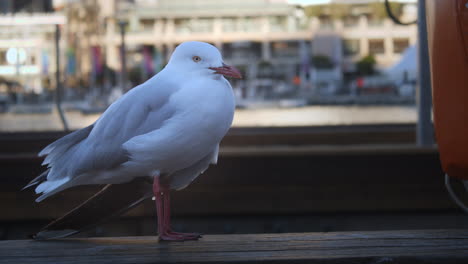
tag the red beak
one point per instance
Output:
(228, 71)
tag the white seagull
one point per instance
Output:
(168, 128)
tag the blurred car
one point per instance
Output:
(375, 85)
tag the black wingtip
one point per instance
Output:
(29, 185)
(42, 177)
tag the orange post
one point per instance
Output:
(447, 25)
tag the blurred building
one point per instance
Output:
(363, 28)
(273, 42)
(251, 34)
(25, 6)
(27, 45)
(269, 39)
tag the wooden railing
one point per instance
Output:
(264, 180)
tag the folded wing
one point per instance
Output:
(98, 147)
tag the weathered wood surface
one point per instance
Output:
(422, 246)
(33, 142)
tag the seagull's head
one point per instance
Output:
(201, 58)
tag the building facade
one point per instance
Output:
(27, 30)
(272, 41)
(252, 35)
(249, 33)
(364, 29)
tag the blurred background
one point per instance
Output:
(324, 136)
(304, 62)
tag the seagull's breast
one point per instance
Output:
(204, 110)
(211, 98)
(207, 108)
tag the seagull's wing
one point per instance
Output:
(99, 146)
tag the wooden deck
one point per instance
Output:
(421, 246)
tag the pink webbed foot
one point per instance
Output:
(162, 199)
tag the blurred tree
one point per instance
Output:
(335, 11)
(366, 65)
(314, 10)
(377, 9)
(340, 11)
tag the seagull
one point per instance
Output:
(168, 129)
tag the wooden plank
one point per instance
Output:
(419, 246)
(277, 150)
(285, 150)
(33, 142)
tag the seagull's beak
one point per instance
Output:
(228, 71)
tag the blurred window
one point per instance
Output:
(147, 25)
(242, 50)
(376, 46)
(182, 25)
(23, 6)
(351, 47)
(251, 24)
(375, 22)
(326, 22)
(202, 25)
(278, 23)
(285, 49)
(400, 45)
(229, 24)
(351, 21)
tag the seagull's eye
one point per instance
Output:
(196, 58)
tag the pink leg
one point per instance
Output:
(167, 221)
(162, 197)
(158, 197)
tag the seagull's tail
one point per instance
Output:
(47, 187)
(39, 179)
(113, 200)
